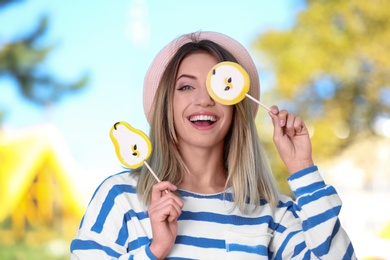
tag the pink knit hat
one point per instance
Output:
(156, 69)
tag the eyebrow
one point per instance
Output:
(186, 76)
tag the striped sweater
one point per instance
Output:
(116, 225)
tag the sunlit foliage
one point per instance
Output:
(332, 67)
(22, 59)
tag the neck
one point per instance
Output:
(206, 170)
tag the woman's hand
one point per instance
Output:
(164, 210)
(292, 140)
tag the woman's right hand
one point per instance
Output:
(164, 210)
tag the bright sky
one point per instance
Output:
(115, 41)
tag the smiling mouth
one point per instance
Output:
(203, 120)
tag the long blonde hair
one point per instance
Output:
(248, 171)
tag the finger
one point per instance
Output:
(279, 122)
(274, 110)
(283, 116)
(166, 209)
(299, 125)
(273, 113)
(159, 188)
(174, 213)
(166, 200)
(290, 124)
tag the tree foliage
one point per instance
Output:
(23, 60)
(333, 68)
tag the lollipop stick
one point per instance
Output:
(258, 102)
(153, 173)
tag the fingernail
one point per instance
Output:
(282, 122)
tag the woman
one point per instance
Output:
(217, 199)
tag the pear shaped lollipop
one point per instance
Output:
(228, 83)
(132, 146)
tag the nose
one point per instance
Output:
(203, 98)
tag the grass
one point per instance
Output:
(41, 244)
(53, 250)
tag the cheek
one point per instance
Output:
(178, 110)
(227, 119)
(180, 103)
(229, 114)
(176, 107)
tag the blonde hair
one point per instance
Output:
(248, 171)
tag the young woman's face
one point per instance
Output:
(198, 119)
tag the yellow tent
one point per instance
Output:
(35, 188)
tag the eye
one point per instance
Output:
(185, 87)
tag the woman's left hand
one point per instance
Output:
(292, 140)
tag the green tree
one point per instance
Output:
(22, 60)
(332, 68)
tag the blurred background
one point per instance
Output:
(70, 69)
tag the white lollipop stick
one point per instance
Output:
(258, 102)
(153, 173)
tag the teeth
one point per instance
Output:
(203, 118)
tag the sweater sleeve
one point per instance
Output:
(103, 232)
(312, 229)
(89, 249)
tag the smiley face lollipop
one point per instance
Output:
(132, 146)
(228, 83)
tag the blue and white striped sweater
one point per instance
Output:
(116, 225)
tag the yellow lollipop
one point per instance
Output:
(132, 146)
(228, 83)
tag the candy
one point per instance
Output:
(132, 146)
(228, 83)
